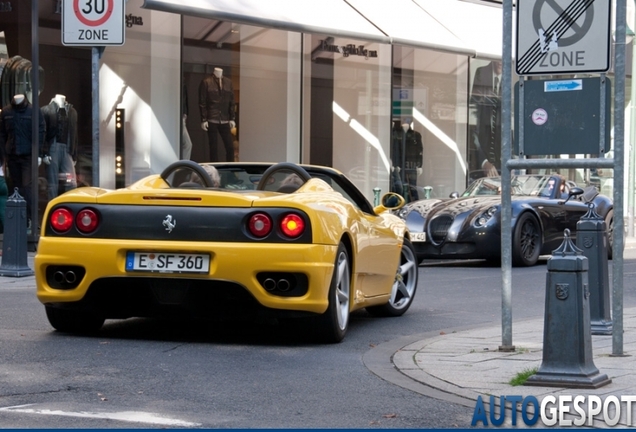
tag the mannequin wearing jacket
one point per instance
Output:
(60, 144)
(15, 139)
(407, 157)
(216, 104)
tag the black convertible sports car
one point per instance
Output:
(468, 226)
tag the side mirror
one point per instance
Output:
(454, 195)
(390, 201)
(575, 191)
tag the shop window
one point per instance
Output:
(429, 116)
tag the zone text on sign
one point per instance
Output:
(571, 58)
(93, 35)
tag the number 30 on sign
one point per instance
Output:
(93, 22)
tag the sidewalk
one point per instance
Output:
(462, 365)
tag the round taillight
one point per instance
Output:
(292, 225)
(61, 220)
(86, 221)
(260, 224)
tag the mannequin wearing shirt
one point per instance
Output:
(60, 145)
(15, 140)
(485, 100)
(216, 105)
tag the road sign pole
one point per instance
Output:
(619, 180)
(506, 199)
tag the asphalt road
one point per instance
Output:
(143, 373)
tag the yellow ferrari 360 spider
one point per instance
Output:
(204, 240)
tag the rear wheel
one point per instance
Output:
(404, 286)
(72, 321)
(332, 325)
(526, 241)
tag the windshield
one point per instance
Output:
(523, 185)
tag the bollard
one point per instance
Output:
(428, 192)
(591, 237)
(14, 243)
(567, 339)
(376, 196)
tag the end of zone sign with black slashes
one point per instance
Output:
(563, 36)
(93, 22)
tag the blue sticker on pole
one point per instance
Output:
(563, 85)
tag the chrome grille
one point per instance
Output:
(439, 228)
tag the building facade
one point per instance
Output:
(385, 95)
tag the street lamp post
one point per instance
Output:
(632, 141)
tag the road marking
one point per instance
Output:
(127, 416)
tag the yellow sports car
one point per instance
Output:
(204, 240)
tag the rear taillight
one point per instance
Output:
(61, 220)
(292, 225)
(260, 225)
(86, 221)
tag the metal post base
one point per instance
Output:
(603, 328)
(546, 379)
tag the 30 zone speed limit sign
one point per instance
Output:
(93, 22)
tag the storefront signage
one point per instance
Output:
(347, 50)
(93, 22)
(5, 7)
(132, 20)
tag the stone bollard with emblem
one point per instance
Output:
(14, 242)
(591, 237)
(567, 339)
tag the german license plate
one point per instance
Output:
(418, 237)
(167, 262)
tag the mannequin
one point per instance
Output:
(60, 146)
(60, 100)
(485, 104)
(186, 142)
(4, 190)
(217, 108)
(15, 140)
(407, 157)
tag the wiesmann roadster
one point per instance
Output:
(301, 243)
(468, 226)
